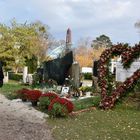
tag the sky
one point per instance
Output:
(86, 18)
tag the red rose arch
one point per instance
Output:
(128, 55)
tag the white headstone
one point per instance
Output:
(113, 66)
(25, 73)
(122, 74)
(29, 79)
(6, 77)
(88, 94)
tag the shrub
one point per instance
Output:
(87, 88)
(137, 86)
(36, 79)
(60, 107)
(46, 99)
(14, 76)
(87, 76)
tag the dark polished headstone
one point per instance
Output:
(95, 68)
(57, 69)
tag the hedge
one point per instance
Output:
(14, 76)
(87, 76)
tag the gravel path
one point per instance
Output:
(19, 121)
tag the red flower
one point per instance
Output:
(67, 103)
(22, 93)
(50, 95)
(33, 95)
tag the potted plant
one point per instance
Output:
(60, 107)
(22, 94)
(45, 99)
(33, 96)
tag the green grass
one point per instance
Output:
(121, 123)
(86, 103)
(98, 125)
(9, 89)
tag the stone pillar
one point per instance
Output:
(6, 77)
(25, 73)
(76, 73)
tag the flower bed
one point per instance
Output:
(60, 107)
(22, 94)
(45, 100)
(33, 96)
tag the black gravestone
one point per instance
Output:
(40, 74)
(57, 69)
(95, 68)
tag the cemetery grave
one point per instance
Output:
(60, 78)
(70, 91)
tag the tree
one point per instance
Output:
(6, 44)
(96, 53)
(32, 39)
(83, 52)
(23, 42)
(101, 41)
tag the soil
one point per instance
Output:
(20, 121)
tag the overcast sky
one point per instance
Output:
(86, 18)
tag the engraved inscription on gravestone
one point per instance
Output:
(122, 74)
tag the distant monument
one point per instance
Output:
(68, 40)
(74, 71)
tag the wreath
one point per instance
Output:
(128, 55)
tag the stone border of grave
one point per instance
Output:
(81, 111)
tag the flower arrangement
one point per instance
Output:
(45, 99)
(128, 55)
(22, 94)
(33, 95)
(51, 95)
(60, 107)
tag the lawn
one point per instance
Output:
(116, 124)
(86, 103)
(9, 89)
(121, 123)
